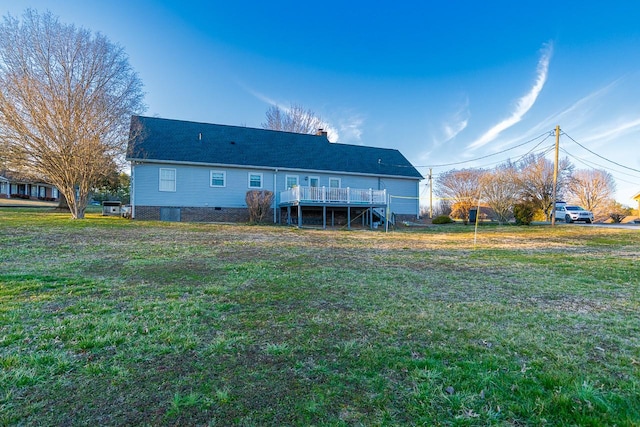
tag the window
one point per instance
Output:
(292, 181)
(334, 182)
(218, 178)
(255, 180)
(167, 179)
(314, 181)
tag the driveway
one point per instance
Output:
(628, 226)
(22, 203)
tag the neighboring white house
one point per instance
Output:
(22, 186)
(5, 185)
(187, 171)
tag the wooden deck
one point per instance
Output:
(333, 198)
(319, 196)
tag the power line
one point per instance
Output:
(544, 151)
(548, 134)
(596, 154)
(592, 165)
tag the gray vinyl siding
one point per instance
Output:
(404, 196)
(193, 186)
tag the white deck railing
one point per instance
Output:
(334, 195)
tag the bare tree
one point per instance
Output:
(535, 181)
(593, 189)
(462, 188)
(66, 98)
(259, 204)
(500, 190)
(295, 119)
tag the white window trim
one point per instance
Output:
(166, 181)
(224, 178)
(249, 179)
(314, 177)
(286, 180)
(335, 179)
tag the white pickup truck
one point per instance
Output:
(571, 213)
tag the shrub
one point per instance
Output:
(259, 204)
(442, 219)
(524, 213)
(617, 217)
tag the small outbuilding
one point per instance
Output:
(111, 208)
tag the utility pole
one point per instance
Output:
(555, 178)
(430, 195)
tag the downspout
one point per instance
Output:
(418, 200)
(275, 196)
(132, 191)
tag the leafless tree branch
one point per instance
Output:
(66, 98)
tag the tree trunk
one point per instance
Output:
(63, 206)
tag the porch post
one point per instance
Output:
(324, 217)
(299, 215)
(371, 218)
(349, 217)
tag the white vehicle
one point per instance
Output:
(570, 213)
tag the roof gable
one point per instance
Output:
(155, 139)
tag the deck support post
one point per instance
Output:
(299, 215)
(349, 217)
(371, 218)
(324, 217)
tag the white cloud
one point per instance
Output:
(262, 97)
(457, 123)
(613, 132)
(332, 133)
(586, 102)
(524, 104)
(351, 129)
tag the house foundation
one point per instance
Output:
(192, 214)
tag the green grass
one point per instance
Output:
(106, 321)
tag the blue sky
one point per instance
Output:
(444, 82)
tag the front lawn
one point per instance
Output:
(106, 321)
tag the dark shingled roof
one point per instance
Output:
(155, 139)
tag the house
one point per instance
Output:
(187, 171)
(23, 186)
(637, 199)
(5, 185)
